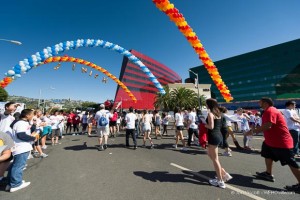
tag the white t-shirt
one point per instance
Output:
(20, 145)
(130, 120)
(252, 118)
(147, 118)
(61, 120)
(46, 120)
(244, 122)
(5, 123)
(290, 123)
(166, 119)
(54, 121)
(104, 113)
(192, 119)
(179, 119)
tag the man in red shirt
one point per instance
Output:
(278, 143)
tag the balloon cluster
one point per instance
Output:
(5, 82)
(39, 57)
(187, 31)
(92, 65)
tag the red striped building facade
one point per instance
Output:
(139, 83)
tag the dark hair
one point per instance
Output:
(17, 115)
(177, 109)
(222, 109)
(213, 106)
(288, 103)
(131, 109)
(267, 100)
(8, 104)
(25, 112)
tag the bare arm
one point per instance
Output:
(264, 127)
(5, 155)
(210, 124)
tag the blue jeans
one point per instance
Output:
(15, 173)
(295, 135)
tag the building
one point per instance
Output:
(270, 72)
(204, 89)
(139, 83)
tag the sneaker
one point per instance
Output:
(227, 153)
(217, 183)
(152, 146)
(227, 177)
(100, 148)
(7, 188)
(105, 146)
(23, 185)
(266, 176)
(295, 187)
(184, 149)
(25, 167)
(135, 147)
(175, 146)
(44, 147)
(43, 155)
(30, 156)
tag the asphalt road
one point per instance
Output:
(75, 169)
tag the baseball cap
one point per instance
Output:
(102, 106)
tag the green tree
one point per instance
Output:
(3, 94)
(184, 98)
(164, 101)
(180, 97)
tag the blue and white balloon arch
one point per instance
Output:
(27, 64)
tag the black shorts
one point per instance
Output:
(285, 156)
(214, 139)
(179, 128)
(112, 123)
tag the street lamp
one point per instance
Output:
(199, 100)
(12, 41)
(40, 96)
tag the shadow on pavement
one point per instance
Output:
(163, 176)
(243, 181)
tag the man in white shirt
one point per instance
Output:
(102, 119)
(293, 124)
(191, 125)
(130, 127)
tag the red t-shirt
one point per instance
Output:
(278, 136)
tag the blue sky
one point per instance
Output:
(226, 28)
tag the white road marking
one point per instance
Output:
(236, 190)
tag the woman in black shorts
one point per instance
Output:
(214, 125)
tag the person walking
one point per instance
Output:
(215, 124)
(130, 127)
(278, 143)
(191, 125)
(179, 128)
(102, 119)
(293, 123)
(146, 120)
(22, 136)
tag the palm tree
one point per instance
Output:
(163, 101)
(184, 98)
(180, 97)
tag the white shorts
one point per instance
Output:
(147, 127)
(102, 131)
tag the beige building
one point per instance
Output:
(204, 89)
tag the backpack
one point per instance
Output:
(102, 121)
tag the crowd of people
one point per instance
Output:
(26, 132)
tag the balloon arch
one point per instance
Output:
(27, 64)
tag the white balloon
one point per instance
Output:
(18, 75)
(22, 64)
(23, 69)
(11, 72)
